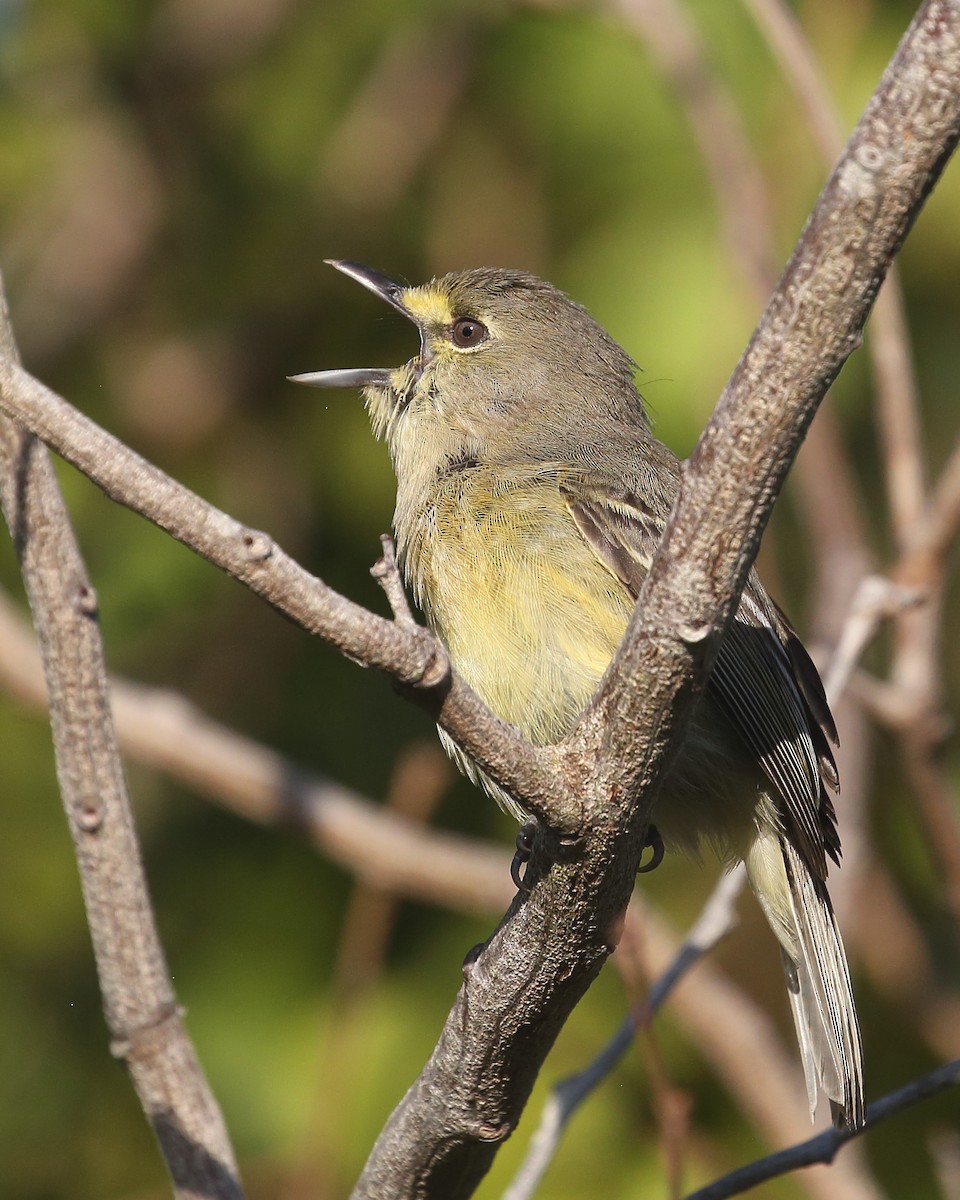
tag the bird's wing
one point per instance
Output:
(762, 679)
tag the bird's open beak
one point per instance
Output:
(387, 289)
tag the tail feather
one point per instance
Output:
(818, 981)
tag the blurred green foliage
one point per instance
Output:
(173, 175)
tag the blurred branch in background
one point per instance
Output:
(917, 671)
(163, 730)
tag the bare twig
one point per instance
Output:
(722, 141)
(398, 114)
(823, 1147)
(876, 600)
(386, 572)
(715, 921)
(888, 342)
(140, 1006)
(911, 701)
(930, 538)
(792, 50)
(917, 661)
(420, 778)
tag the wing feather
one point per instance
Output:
(763, 679)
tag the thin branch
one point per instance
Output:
(722, 141)
(888, 343)
(917, 666)
(909, 583)
(797, 64)
(935, 530)
(386, 572)
(716, 919)
(421, 777)
(140, 1006)
(823, 1148)
(876, 600)
(400, 111)
(411, 654)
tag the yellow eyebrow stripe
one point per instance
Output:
(428, 305)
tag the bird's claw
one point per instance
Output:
(655, 842)
(522, 856)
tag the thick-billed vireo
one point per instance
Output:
(531, 496)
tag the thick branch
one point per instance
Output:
(810, 326)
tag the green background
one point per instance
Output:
(171, 177)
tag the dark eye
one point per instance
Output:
(468, 332)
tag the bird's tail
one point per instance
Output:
(800, 913)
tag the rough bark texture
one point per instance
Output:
(628, 736)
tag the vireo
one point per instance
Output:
(531, 496)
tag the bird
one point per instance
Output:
(532, 494)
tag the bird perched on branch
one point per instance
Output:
(531, 497)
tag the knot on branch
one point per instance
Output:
(144, 1040)
(257, 546)
(437, 671)
(89, 816)
(85, 600)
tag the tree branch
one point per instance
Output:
(162, 729)
(634, 725)
(824, 1146)
(408, 652)
(716, 919)
(141, 1009)
(552, 943)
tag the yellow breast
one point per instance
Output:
(529, 615)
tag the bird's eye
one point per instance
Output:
(468, 332)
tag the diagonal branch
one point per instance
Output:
(824, 1146)
(634, 725)
(811, 325)
(408, 652)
